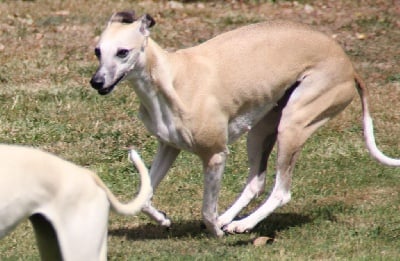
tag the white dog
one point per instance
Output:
(68, 205)
(276, 81)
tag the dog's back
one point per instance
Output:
(256, 61)
(23, 166)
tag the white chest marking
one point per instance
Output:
(157, 115)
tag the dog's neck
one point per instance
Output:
(154, 68)
(161, 109)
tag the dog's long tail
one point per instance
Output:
(144, 195)
(369, 127)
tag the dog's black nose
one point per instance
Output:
(97, 82)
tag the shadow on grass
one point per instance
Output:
(192, 229)
(275, 223)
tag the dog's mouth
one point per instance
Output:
(109, 89)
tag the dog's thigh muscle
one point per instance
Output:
(82, 228)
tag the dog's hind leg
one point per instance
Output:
(311, 105)
(80, 219)
(260, 142)
(163, 160)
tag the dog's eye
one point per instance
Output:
(122, 53)
(97, 52)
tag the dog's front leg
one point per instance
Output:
(213, 170)
(163, 160)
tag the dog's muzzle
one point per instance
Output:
(97, 83)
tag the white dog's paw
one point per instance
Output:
(165, 222)
(159, 216)
(223, 220)
(237, 227)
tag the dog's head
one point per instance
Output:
(120, 48)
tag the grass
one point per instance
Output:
(344, 204)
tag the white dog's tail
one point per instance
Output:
(145, 192)
(369, 127)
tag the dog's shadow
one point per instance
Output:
(275, 223)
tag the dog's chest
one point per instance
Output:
(159, 119)
(245, 120)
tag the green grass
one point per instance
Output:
(344, 206)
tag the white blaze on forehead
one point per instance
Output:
(118, 35)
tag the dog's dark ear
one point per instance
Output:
(125, 17)
(147, 22)
(150, 22)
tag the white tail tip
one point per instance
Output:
(134, 155)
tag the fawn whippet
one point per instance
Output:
(68, 205)
(276, 81)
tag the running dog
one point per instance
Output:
(277, 81)
(68, 205)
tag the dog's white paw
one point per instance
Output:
(165, 221)
(237, 227)
(223, 220)
(159, 216)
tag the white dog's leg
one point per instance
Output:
(260, 142)
(82, 226)
(213, 170)
(302, 116)
(163, 160)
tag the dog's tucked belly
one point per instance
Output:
(165, 129)
(243, 122)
